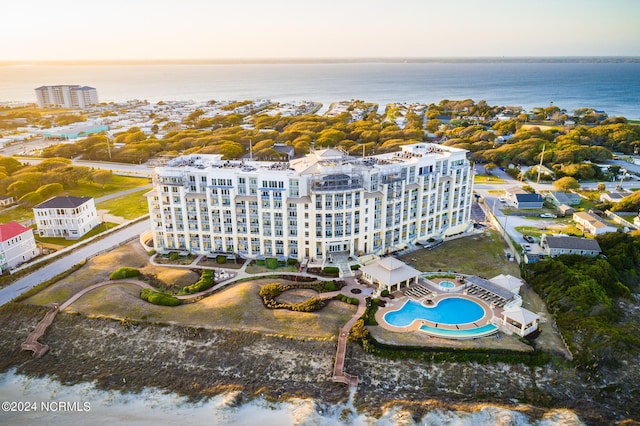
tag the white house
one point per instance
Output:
(555, 245)
(592, 224)
(6, 200)
(17, 245)
(67, 217)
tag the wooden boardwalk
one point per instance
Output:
(32, 344)
(39, 349)
(339, 375)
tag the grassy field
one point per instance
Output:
(66, 243)
(117, 184)
(128, 206)
(488, 179)
(19, 214)
(237, 307)
(481, 254)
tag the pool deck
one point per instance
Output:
(437, 294)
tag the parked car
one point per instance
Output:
(548, 215)
(529, 238)
(527, 247)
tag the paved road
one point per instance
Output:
(67, 261)
(141, 170)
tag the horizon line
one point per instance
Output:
(334, 60)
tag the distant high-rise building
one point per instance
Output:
(68, 96)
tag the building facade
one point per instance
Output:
(66, 217)
(66, 96)
(326, 202)
(17, 245)
(592, 224)
(555, 245)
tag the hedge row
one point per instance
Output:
(204, 283)
(124, 272)
(331, 271)
(349, 300)
(158, 298)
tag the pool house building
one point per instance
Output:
(324, 203)
(389, 274)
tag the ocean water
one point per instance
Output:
(610, 86)
(84, 404)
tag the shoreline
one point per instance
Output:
(201, 364)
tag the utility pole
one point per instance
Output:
(540, 166)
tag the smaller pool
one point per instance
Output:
(447, 284)
(460, 334)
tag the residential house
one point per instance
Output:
(592, 224)
(528, 201)
(6, 200)
(17, 245)
(559, 198)
(612, 197)
(555, 245)
(66, 217)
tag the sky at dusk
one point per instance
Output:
(210, 29)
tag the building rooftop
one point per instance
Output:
(65, 202)
(593, 220)
(11, 229)
(390, 271)
(568, 242)
(529, 198)
(492, 287)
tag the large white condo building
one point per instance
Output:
(326, 202)
(72, 96)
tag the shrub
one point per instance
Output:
(329, 286)
(174, 255)
(260, 262)
(309, 305)
(124, 272)
(221, 259)
(204, 283)
(271, 290)
(292, 261)
(331, 271)
(271, 263)
(158, 298)
(385, 293)
(355, 267)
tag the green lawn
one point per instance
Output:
(19, 214)
(66, 243)
(488, 179)
(480, 254)
(117, 184)
(128, 206)
(560, 228)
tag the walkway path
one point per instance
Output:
(39, 349)
(339, 375)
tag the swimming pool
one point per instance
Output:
(471, 333)
(447, 284)
(451, 311)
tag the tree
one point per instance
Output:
(101, 177)
(601, 187)
(566, 184)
